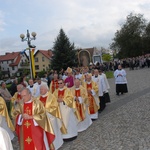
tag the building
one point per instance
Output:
(11, 63)
(42, 60)
(89, 55)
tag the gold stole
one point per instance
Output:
(80, 107)
(91, 100)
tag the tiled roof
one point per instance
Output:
(16, 62)
(9, 56)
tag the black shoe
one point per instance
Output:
(70, 139)
(99, 111)
(93, 119)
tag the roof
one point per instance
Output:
(15, 56)
(16, 62)
(46, 53)
(9, 56)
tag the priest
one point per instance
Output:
(31, 123)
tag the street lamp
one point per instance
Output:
(29, 39)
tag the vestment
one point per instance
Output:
(5, 120)
(82, 107)
(53, 85)
(92, 98)
(53, 111)
(5, 143)
(31, 131)
(67, 108)
(120, 81)
(69, 81)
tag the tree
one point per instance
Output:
(106, 57)
(128, 41)
(64, 54)
(146, 39)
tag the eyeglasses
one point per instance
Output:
(60, 83)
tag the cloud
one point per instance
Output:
(86, 23)
(2, 23)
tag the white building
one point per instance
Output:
(11, 62)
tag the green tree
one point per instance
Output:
(64, 53)
(146, 39)
(106, 57)
(128, 41)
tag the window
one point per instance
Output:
(36, 59)
(43, 65)
(13, 68)
(36, 67)
(42, 58)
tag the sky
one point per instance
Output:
(87, 23)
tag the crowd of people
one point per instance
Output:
(46, 112)
(44, 115)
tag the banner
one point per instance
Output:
(33, 65)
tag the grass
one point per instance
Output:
(109, 74)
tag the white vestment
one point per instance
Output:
(4, 125)
(58, 142)
(70, 121)
(5, 142)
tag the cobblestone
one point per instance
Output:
(124, 124)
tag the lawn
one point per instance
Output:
(109, 74)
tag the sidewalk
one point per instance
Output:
(125, 123)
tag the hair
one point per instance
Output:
(20, 85)
(61, 80)
(26, 89)
(2, 83)
(45, 86)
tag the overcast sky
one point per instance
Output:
(87, 23)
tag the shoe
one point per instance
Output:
(70, 139)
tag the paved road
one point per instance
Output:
(124, 124)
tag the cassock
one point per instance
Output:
(5, 119)
(30, 132)
(67, 108)
(34, 89)
(106, 94)
(101, 90)
(82, 107)
(69, 81)
(120, 81)
(53, 86)
(51, 105)
(92, 98)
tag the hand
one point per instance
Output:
(89, 91)
(17, 100)
(59, 100)
(76, 99)
(26, 116)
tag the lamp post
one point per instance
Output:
(29, 39)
